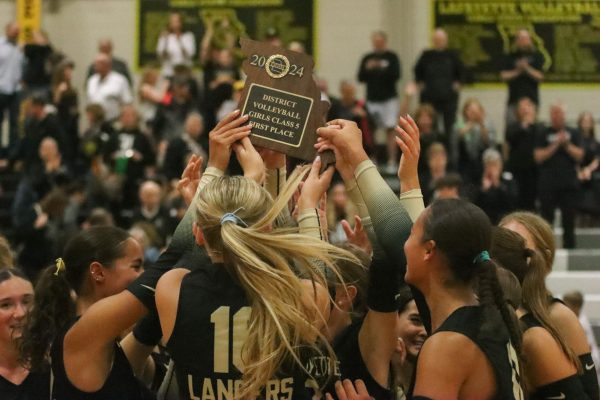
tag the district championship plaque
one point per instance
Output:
(282, 100)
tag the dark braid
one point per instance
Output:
(491, 296)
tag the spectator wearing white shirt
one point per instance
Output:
(11, 67)
(108, 88)
(175, 47)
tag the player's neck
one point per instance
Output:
(443, 300)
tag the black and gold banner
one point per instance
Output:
(566, 32)
(230, 19)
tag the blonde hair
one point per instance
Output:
(531, 268)
(259, 258)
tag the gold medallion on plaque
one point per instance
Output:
(277, 66)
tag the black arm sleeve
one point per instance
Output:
(148, 331)
(589, 378)
(568, 389)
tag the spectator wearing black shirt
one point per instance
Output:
(180, 149)
(153, 212)
(220, 72)
(105, 46)
(439, 74)
(522, 70)
(38, 68)
(380, 70)
(39, 124)
(171, 114)
(558, 151)
(66, 100)
(520, 137)
(588, 170)
(497, 195)
(353, 109)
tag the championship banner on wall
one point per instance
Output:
(566, 32)
(29, 18)
(230, 20)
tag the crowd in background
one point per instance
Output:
(113, 154)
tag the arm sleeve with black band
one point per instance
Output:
(309, 223)
(568, 389)
(182, 242)
(589, 378)
(391, 223)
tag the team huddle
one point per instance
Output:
(250, 300)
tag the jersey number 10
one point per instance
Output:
(220, 318)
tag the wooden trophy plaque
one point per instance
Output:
(282, 100)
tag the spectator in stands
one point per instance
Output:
(170, 116)
(353, 109)
(146, 236)
(575, 300)
(587, 173)
(339, 208)
(380, 70)
(130, 153)
(425, 117)
(11, 62)
(38, 69)
(105, 46)
(98, 217)
(7, 257)
(66, 101)
(437, 162)
(520, 140)
(38, 208)
(522, 70)
(181, 148)
(175, 46)
(497, 195)
(473, 133)
(95, 138)
(273, 37)
(151, 93)
(39, 125)
(448, 186)
(108, 88)
(153, 212)
(439, 74)
(220, 73)
(557, 152)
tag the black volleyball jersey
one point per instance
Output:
(493, 340)
(121, 384)
(207, 339)
(583, 386)
(352, 365)
(36, 386)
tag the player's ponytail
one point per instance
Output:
(529, 266)
(54, 308)
(236, 216)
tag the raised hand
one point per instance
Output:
(315, 186)
(345, 139)
(409, 144)
(228, 131)
(190, 178)
(250, 160)
(358, 235)
(348, 391)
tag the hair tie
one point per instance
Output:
(232, 217)
(60, 266)
(481, 257)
